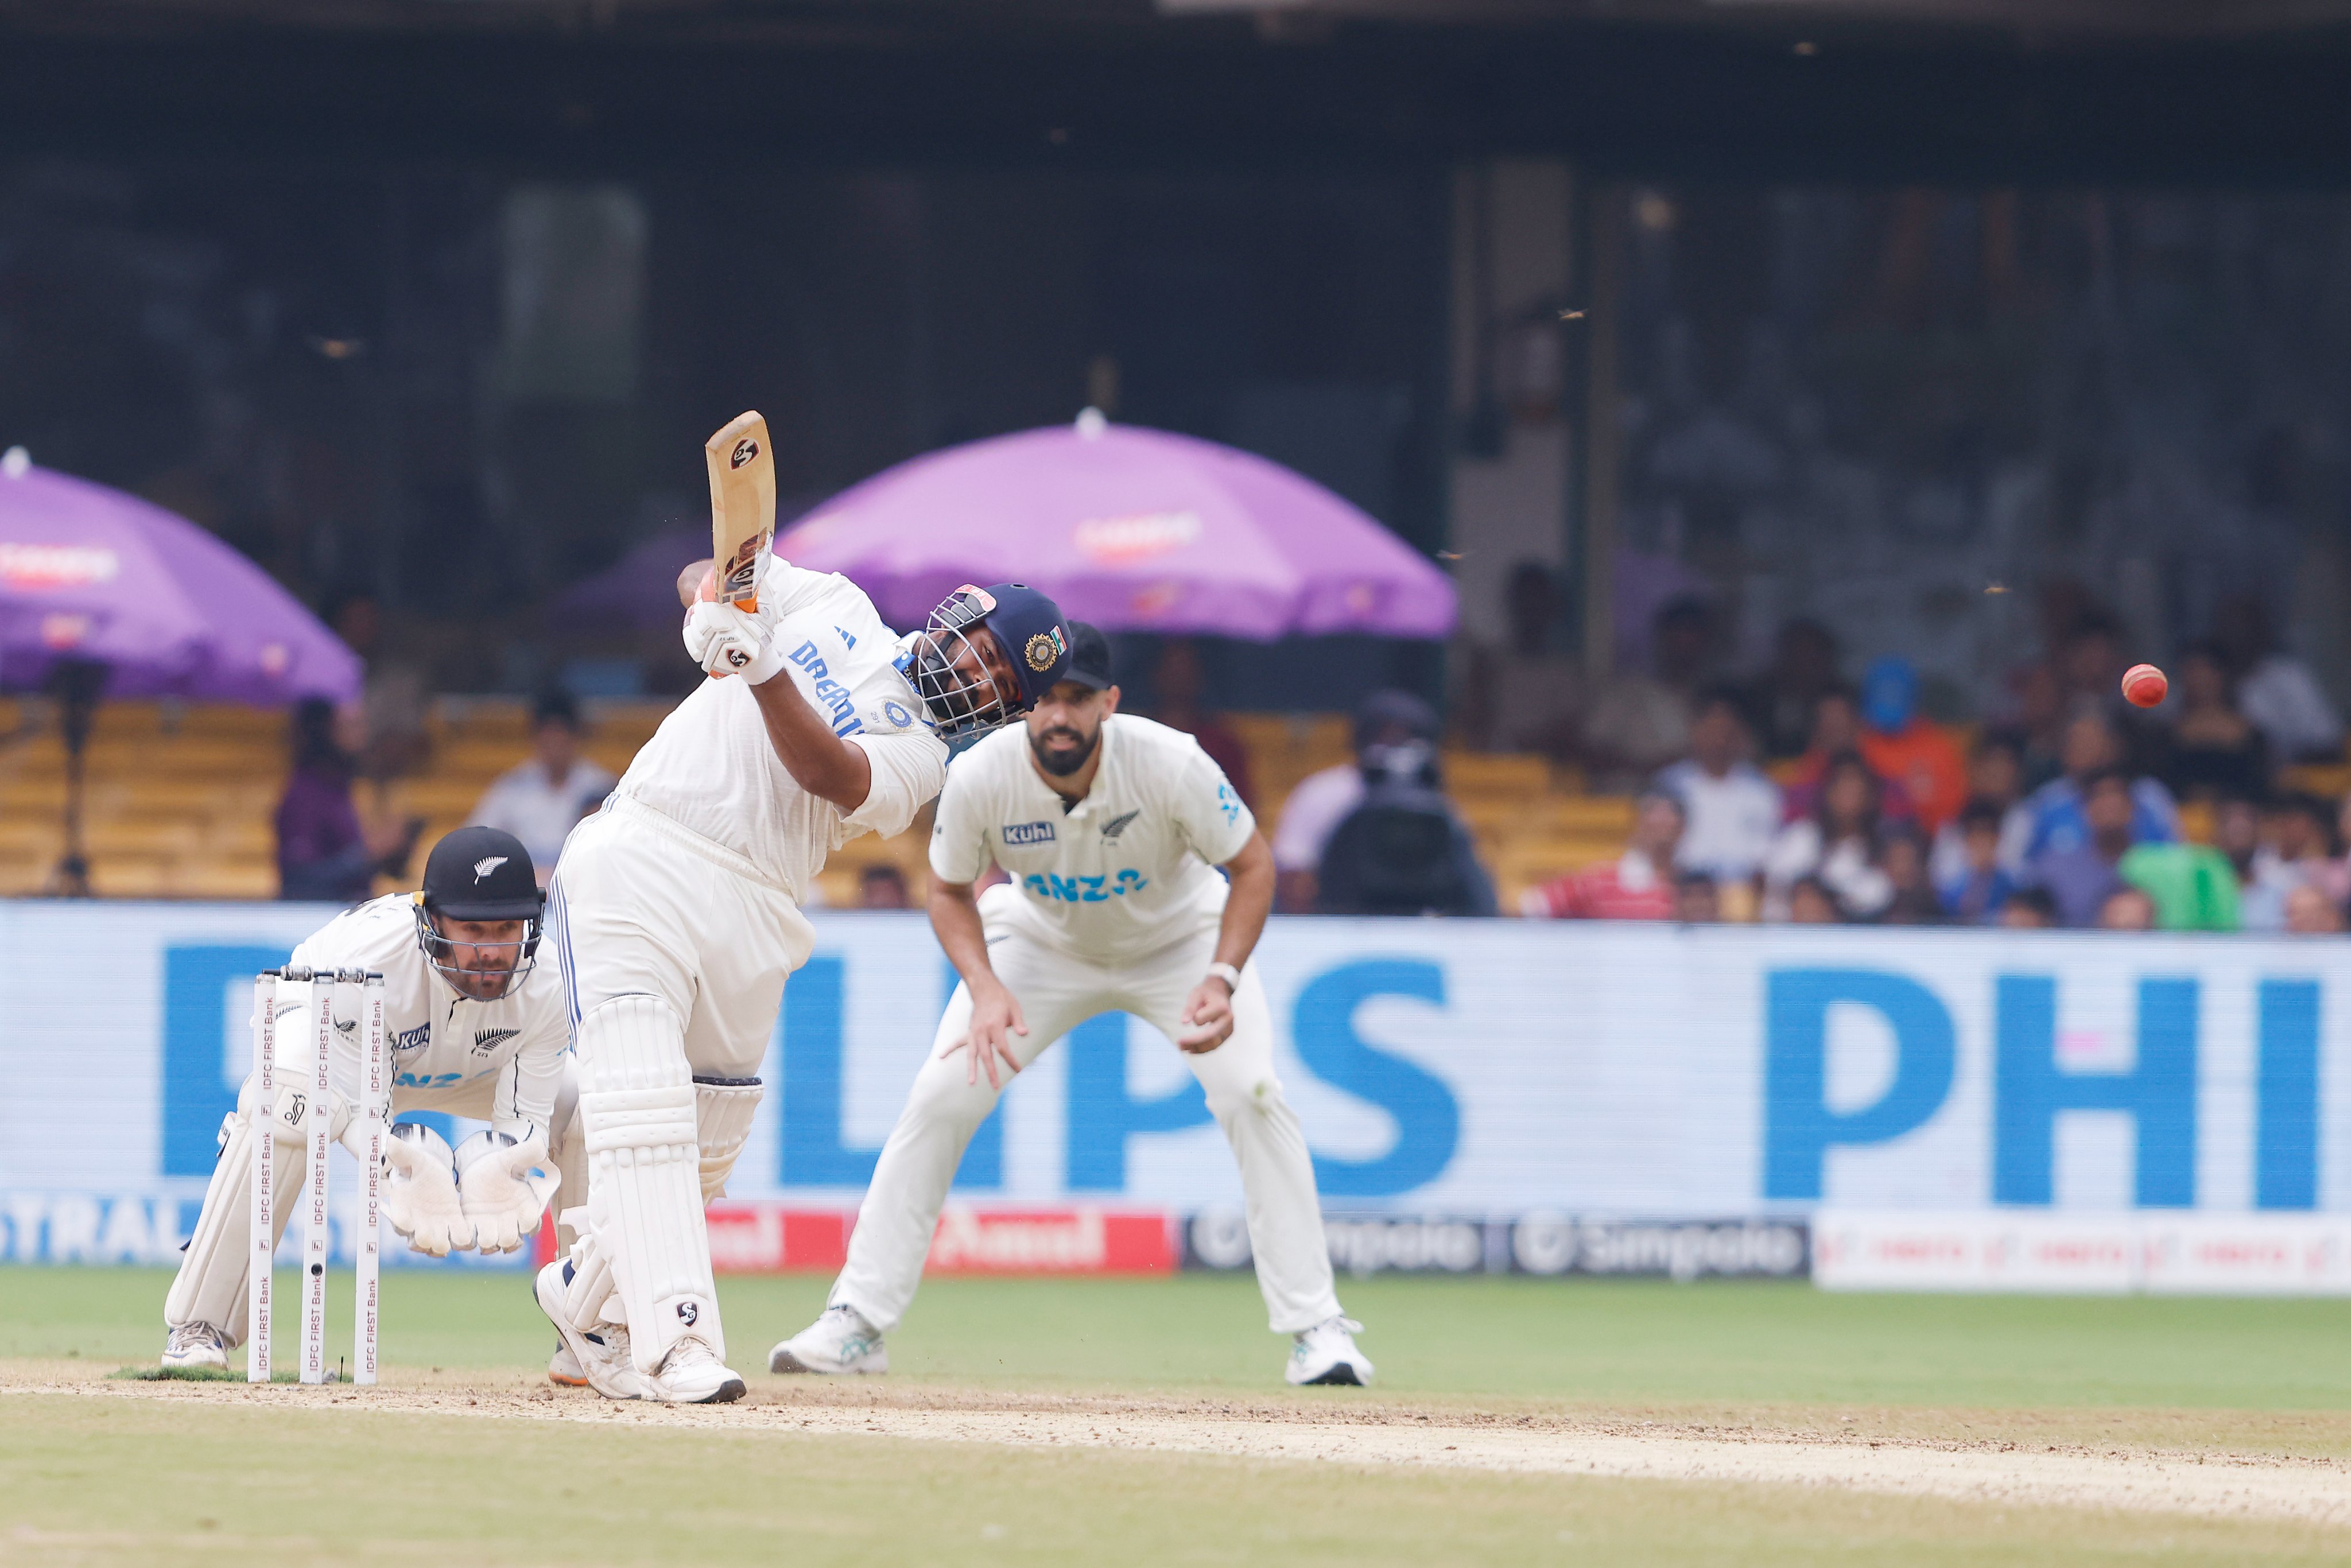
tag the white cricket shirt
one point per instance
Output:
(1121, 873)
(443, 1046)
(711, 768)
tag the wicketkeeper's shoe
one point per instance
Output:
(600, 1355)
(191, 1347)
(563, 1368)
(838, 1342)
(691, 1374)
(1327, 1353)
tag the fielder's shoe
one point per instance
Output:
(691, 1374)
(600, 1356)
(1327, 1353)
(839, 1342)
(193, 1346)
(563, 1368)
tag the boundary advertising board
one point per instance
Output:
(1466, 1074)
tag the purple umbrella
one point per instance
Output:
(102, 593)
(1134, 529)
(91, 574)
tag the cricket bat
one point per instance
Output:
(742, 507)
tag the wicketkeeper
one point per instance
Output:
(473, 1026)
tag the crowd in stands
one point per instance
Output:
(1794, 796)
(1797, 797)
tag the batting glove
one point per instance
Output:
(725, 641)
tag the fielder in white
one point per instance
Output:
(473, 1026)
(1111, 829)
(676, 916)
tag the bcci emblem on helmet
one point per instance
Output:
(1044, 648)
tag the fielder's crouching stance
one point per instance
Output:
(1110, 828)
(473, 1026)
(676, 917)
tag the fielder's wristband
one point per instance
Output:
(1226, 973)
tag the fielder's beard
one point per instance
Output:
(1062, 764)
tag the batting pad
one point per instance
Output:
(644, 1185)
(213, 1279)
(723, 1108)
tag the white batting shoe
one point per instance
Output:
(564, 1368)
(838, 1342)
(1326, 1354)
(195, 1346)
(691, 1374)
(600, 1356)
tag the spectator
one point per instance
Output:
(2275, 690)
(1697, 901)
(540, 800)
(1914, 752)
(1995, 779)
(2039, 717)
(1803, 668)
(2080, 876)
(2310, 913)
(1641, 722)
(1902, 856)
(1731, 809)
(1177, 684)
(1638, 885)
(2193, 887)
(883, 886)
(2300, 836)
(324, 852)
(390, 741)
(2260, 888)
(1836, 730)
(1981, 889)
(1838, 843)
(2127, 909)
(2031, 910)
(2059, 823)
(1523, 695)
(1810, 903)
(2214, 750)
(2335, 876)
(1402, 851)
(1323, 800)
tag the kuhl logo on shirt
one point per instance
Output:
(1018, 835)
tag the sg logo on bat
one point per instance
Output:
(745, 450)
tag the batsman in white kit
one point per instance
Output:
(474, 1028)
(676, 915)
(1111, 828)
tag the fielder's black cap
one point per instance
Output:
(1035, 636)
(1088, 656)
(482, 873)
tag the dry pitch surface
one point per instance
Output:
(1026, 1465)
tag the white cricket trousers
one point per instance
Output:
(675, 951)
(1057, 992)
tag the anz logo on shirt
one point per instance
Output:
(1084, 889)
(1227, 804)
(427, 1080)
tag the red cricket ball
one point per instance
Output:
(2144, 685)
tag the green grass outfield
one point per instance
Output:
(100, 1479)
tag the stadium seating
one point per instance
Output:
(179, 798)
